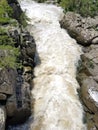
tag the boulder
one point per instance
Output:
(89, 94)
(84, 30)
(7, 81)
(11, 106)
(20, 102)
(3, 96)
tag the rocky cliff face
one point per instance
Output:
(84, 30)
(16, 74)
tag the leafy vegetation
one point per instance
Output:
(24, 19)
(6, 40)
(9, 56)
(84, 7)
(5, 12)
(8, 53)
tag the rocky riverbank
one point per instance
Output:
(85, 31)
(17, 51)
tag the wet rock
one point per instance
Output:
(11, 106)
(89, 93)
(14, 32)
(89, 66)
(20, 102)
(84, 30)
(20, 116)
(2, 117)
(7, 81)
(16, 94)
(28, 49)
(16, 9)
(2, 96)
(28, 73)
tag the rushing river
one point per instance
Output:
(56, 104)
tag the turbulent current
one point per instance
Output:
(55, 101)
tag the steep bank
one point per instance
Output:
(55, 94)
(16, 66)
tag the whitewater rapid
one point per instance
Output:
(55, 101)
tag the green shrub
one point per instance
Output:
(5, 12)
(10, 60)
(6, 40)
(3, 31)
(24, 19)
(84, 7)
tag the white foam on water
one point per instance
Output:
(56, 102)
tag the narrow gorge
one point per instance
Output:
(48, 67)
(55, 100)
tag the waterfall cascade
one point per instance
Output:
(56, 104)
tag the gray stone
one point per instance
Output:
(84, 30)
(18, 106)
(89, 93)
(95, 40)
(2, 118)
(7, 81)
(11, 106)
(2, 96)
